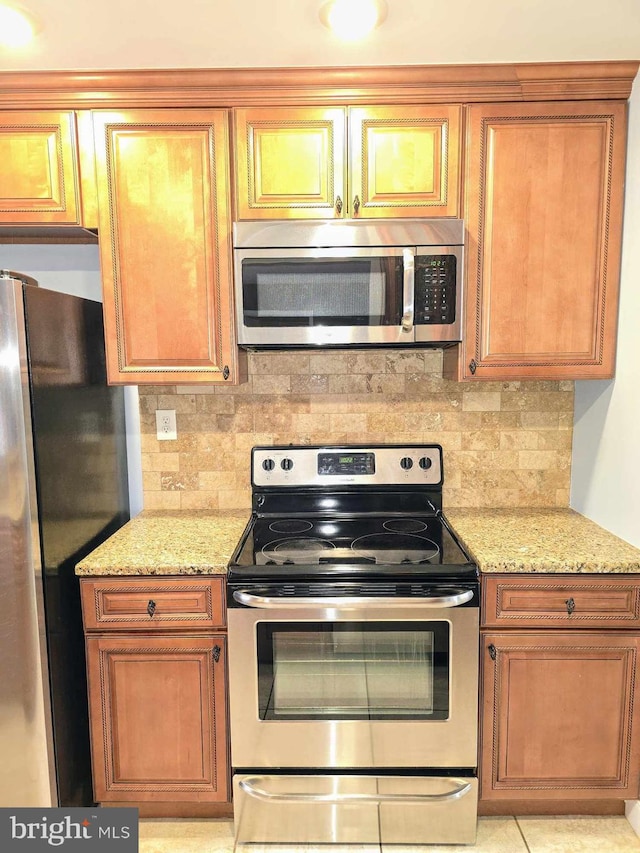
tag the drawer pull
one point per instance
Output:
(216, 653)
(151, 607)
(571, 606)
(492, 652)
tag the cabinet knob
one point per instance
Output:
(225, 371)
(338, 205)
(571, 606)
(151, 607)
(473, 366)
(216, 653)
(492, 652)
(356, 204)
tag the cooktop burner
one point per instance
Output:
(396, 548)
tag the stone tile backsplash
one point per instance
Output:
(505, 443)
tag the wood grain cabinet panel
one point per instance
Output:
(290, 162)
(158, 718)
(39, 175)
(558, 715)
(374, 161)
(164, 221)
(153, 605)
(606, 601)
(404, 161)
(544, 192)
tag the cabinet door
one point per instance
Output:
(164, 223)
(158, 718)
(404, 161)
(558, 715)
(290, 163)
(544, 217)
(38, 169)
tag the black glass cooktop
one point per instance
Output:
(297, 546)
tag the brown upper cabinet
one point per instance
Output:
(39, 173)
(543, 210)
(370, 161)
(164, 223)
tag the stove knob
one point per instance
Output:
(425, 463)
(268, 464)
(286, 464)
(406, 463)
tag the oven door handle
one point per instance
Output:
(267, 602)
(250, 786)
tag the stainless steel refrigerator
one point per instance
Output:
(63, 490)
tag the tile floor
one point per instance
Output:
(495, 835)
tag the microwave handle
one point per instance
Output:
(408, 284)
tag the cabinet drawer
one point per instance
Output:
(158, 604)
(561, 601)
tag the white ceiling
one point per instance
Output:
(87, 34)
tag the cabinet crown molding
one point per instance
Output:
(183, 87)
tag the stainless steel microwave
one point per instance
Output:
(338, 283)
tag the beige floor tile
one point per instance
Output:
(579, 835)
(495, 835)
(186, 836)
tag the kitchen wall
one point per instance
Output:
(606, 458)
(505, 444)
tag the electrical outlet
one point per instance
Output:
(166, 425)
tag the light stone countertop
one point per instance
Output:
(160, 542)
(541, 540)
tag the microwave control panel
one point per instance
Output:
(435, 289)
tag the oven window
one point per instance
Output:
(353, 670)
(314, 292)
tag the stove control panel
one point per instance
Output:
(382, 465)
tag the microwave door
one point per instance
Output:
(331, 296)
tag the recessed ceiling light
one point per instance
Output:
(17, 26)
(351, 20)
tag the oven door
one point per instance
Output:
(324, 296)
(353, 683)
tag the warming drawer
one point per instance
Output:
(337, 809)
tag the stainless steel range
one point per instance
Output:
(353, 652)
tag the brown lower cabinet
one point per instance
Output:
(157, 690)
(560, 704)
